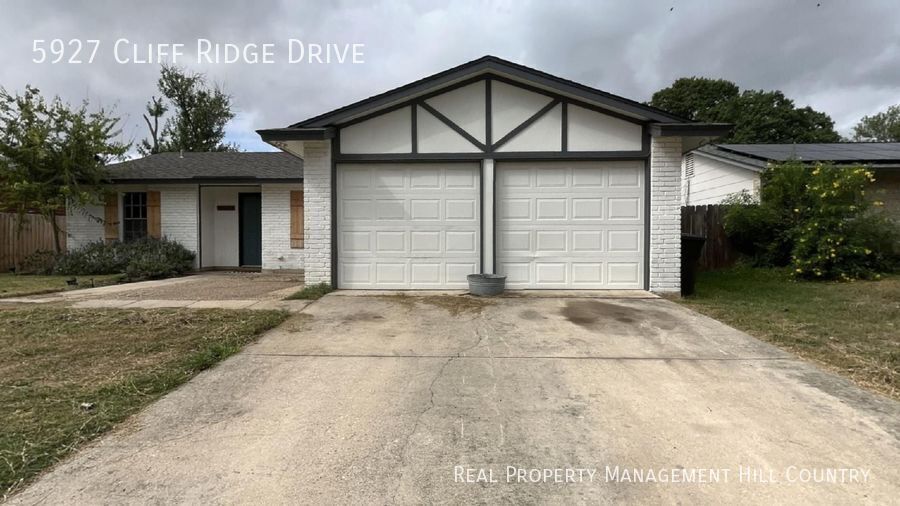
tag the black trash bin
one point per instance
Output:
(691, 245)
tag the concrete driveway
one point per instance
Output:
(407, 399)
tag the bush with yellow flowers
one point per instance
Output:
(817, 219)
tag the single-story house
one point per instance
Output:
(498, 168)
(713, 172)
(233, 209)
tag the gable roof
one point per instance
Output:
(322, 126)
(496, 66)
(885, 154)
(209, 167)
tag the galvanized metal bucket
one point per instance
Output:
(486, 284)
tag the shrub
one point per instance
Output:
(39, 262)
(815, 219)
(146, 258)
(157, 258)
(93, 259)
(842, 236)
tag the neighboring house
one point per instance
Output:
(232, 209)
(711, 173)
(498, 168)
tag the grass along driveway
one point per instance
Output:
(19, 285)
(852, 328)
(68, 375)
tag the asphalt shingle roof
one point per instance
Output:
(840, 152)
(178, 167)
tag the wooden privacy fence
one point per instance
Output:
(708, 221)
(36, 234)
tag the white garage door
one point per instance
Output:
(407, 225)
(571, 225)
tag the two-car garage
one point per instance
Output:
(556, 224)
(493, 167)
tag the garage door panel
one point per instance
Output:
(623, 273)
(587, 209)
(570, 224)
(425, 242)
(354, 272)
(624, 241)
(461, 210)
(424, 210)
(551, 241)
(551, 273)
(390, 273)
(390, 242)
(587, 241)
(461, 178)
(407, 226)
(357, 209)
(623, 208)
(587, 273)
(622, 177)
(457, 272)
(551, 209)
(428, 273)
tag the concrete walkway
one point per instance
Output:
(419, 399)
(225, 290)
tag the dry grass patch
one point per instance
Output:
(851, 328)
(68, 375)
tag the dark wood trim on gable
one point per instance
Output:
(453, 126)
(525, 124)
(489, 147)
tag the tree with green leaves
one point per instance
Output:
(200, 113)
(695, 98)
(881, 127)
(758, 116)
(53, 154)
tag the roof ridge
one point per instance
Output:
(489, 59)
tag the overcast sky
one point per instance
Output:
(840, 57)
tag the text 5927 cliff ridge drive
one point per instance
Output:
(486, 167)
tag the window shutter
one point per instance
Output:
(111, 218)
(297, 219)
(154, 225)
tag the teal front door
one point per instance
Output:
(250, 229)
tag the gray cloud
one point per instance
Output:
(840, 57)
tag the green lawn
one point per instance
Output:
(18, 285)
(114, 361)
(852, 328)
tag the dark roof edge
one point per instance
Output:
(296, 134)
(490, 63)
(690, 129)
(205, 180)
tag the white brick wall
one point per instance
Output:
(665, 214)
(276, 228)
(178, 214)
(83, 226)
(317, 211)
